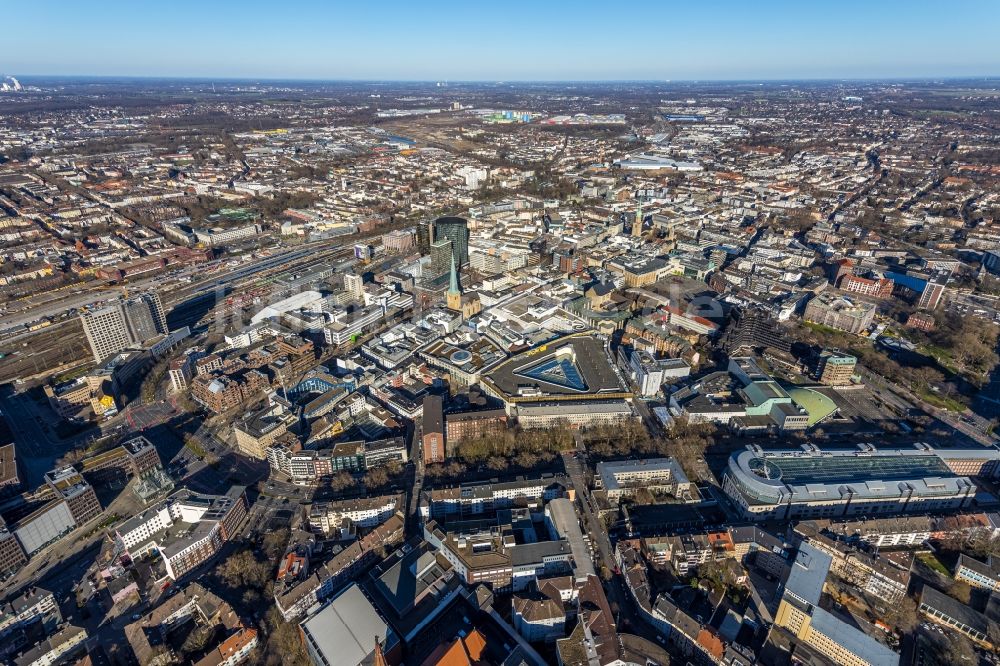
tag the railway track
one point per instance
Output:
(61, 346)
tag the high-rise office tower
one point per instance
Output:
(144, 317)
(835, 368)
(441, 256)
(425, 236)
(755, 331)
(455, 229)
(354, 284)
(106, 330)
(122, 323)
(156, 306)
(930, 297)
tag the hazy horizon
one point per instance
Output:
(775, 40)
(27, 78)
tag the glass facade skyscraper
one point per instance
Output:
(455, 229)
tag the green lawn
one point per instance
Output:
(934, 563)
(942, 402)
(822, 328)
(942, 356)
(76, 372)
(195, 448)
(936, 351)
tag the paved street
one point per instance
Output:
(76, 549)
(38, 446)
(881, 386)
(414, 478)
(618, 595)
(219, 469)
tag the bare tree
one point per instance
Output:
(284, 645)
(242, 569)
(902, 615)
(341, 481)
(376, 477)
(198, 640)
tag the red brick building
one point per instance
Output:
(433, 435)
(921, 320)
(225, 392)
(881, 288)
(469, 425)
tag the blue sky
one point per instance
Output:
(503, 40)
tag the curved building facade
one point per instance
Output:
(815, 483)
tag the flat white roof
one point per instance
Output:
(345, 630)
(294, 302)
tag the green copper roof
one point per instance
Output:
(815, 403)
(453, 287)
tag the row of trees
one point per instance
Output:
(509, 443)
(607, 441)
(527, 449)
(376, 478)
(501, 451)
(243, 571)
(157, 373)
(686, 442)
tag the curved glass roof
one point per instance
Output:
(856, 468)
(761, 468)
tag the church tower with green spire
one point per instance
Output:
(454, 289)
(637, 225)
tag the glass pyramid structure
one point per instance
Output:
(560, 370)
